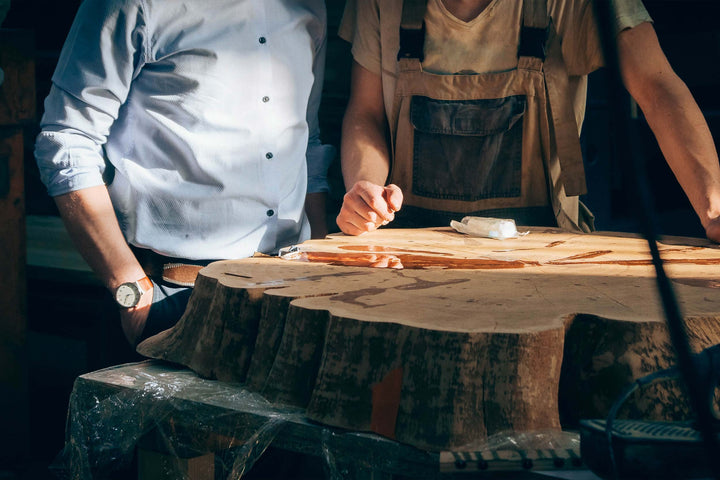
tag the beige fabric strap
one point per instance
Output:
(413, 14)
(535, 13)
(563, 117)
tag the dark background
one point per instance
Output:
(71, 329)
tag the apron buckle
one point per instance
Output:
(412, 43)
(532, 42)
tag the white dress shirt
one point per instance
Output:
(197, 114)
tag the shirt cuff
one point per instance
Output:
(66, 181)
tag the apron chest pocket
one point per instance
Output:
(467, 150)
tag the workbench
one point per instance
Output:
(184, 426)
(209, 419)
(437, 339)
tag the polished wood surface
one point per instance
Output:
(449, 338)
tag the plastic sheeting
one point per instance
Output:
(171, 410)
(112, 410)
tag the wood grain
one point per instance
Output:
(459, 338)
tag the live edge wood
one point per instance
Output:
(469, 338)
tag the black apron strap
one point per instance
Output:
(534, 31)
(412, 30)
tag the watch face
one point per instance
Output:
(127, 295)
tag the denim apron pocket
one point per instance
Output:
(467, 150)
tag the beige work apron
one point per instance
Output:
(494, 144)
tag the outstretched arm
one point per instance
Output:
(365, 158)
(675, 119)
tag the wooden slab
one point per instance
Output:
(470, 337)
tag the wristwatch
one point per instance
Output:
(128, 294)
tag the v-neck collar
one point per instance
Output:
(454, 19)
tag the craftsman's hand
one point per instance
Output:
(712, 230)
(368, 206)
(133, 319)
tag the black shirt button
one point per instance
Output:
(270, 213)
(262, 40)
(269, 155)
(265, 99)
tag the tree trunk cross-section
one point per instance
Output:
(460, 338)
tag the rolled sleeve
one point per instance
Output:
(66, 163)
(102, 54)
(68, 150)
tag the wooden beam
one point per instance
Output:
(17, 107)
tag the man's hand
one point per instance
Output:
(90, 220)
(368, 206)
(133, 319)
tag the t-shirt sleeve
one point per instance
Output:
(577, 25)
(629, 14)
(346, 31)
(360, 25)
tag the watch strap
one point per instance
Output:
(145, 284)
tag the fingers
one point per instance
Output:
(713, 230)
(355, 216)
(374, 207)
(393, 196)
(366, 207)
(354, 227)
(133, 320)
(133, 323)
